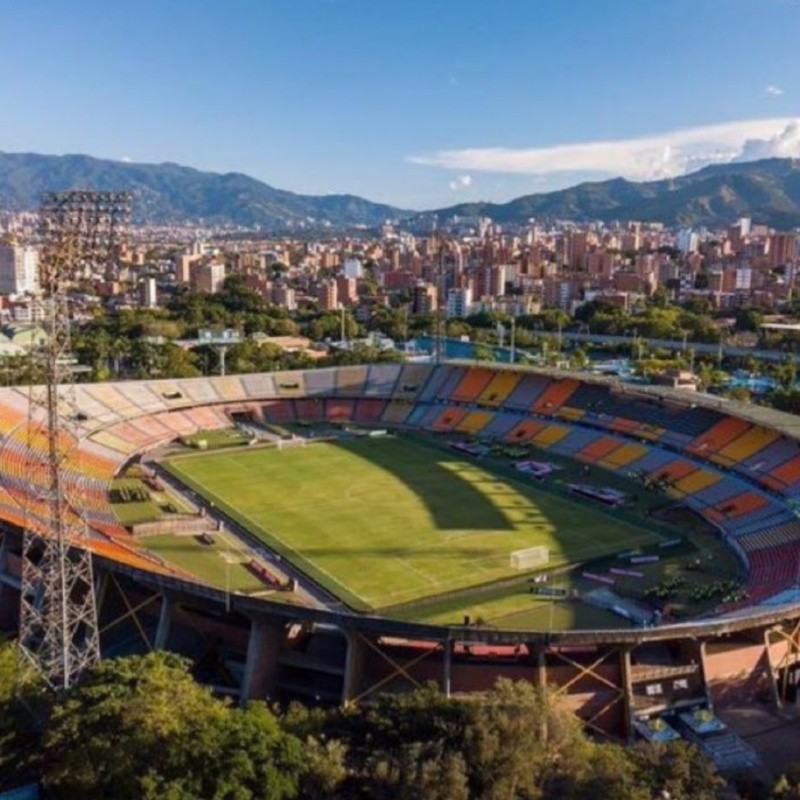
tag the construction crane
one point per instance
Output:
(80, 231)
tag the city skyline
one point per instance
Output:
(403, 103)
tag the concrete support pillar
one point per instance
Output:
(164, 622)
(447, 663)
(541, 680)
(701, 661)
(541, 668)
(773, 678)
(263, 652)
(627, 688)
(353, 667)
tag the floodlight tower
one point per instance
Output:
(80, 231)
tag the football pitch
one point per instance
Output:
(381, 522)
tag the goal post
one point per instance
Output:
(289, 444)
(530, 558)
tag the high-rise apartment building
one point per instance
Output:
(209, 277)
(19, 270)
(459, 303)
(284, 296)
(424, 298)
(782, 249)
(148, 293)
(328, 295)
(347, 290)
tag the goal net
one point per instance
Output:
(288, 444)
(530, 558)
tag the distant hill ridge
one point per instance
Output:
(171, 193)
(715, 196)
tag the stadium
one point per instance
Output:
(332, 533)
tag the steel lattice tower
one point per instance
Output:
(80, 231)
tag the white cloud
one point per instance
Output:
(773, 90)
(645, 158)
(126, 159)
(461, 182)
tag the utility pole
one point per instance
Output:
(80, 232)
(513, 338)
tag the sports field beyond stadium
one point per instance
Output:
(385, 521)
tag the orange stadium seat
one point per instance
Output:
(447, 420)
(525, 431)
(598, 449)
(278, 411)
(674, 471)
(651, 433)
(369, 410)
(738, 506)
(718, 436)
(746, 445)
(472, 384)
(549, 435)
(624, 425)
(311, 409)
(499, 388)
(554, 396)
(697, 481)
(623, 456)
(339, 410)
(786, 474)
(474, 422)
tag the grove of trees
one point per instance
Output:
(141, 727)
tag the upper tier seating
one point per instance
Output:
(351, 381)
(382, 379)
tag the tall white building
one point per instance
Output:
(459, 303)
(353, 268)
(687, 241)
(148, 293)
(19, 270)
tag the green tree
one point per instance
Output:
(22, 700)
(142, 728)
(787, 787)
(484, 353)
(749, 319)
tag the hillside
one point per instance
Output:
(715, 196)
(173, 193)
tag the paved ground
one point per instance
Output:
(775, 737)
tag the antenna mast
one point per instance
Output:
(80, 232)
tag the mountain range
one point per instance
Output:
(171, 193)
(715, 196)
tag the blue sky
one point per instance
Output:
(420, 103)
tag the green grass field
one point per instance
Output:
(215, 439)
(221, 564)
(381, 522)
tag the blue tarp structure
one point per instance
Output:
(23, 793)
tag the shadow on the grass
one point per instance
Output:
(453, 501)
